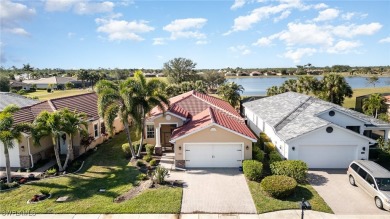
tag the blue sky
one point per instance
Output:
(214, 34)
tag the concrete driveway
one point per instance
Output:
(216, 190)
(333, 186)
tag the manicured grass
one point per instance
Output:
(264, 203)
(106, 168)
(350, 102)
(44, 95)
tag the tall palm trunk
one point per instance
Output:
(141, 142)
(70, 154)
(126, 123)
(56, 153)
(7, 163)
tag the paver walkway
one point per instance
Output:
(36, 172)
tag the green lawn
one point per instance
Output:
(44, 95)
(265, 203)
(350, 102)
(106, 168)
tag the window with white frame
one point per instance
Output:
(149, 131)
(96, 130)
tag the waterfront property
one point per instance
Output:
(322, 134)
(203, 131)
(25, 154)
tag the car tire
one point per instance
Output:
(352, 180)
(378, 203)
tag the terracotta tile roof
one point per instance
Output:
(86, 103)
(216, 102)
(23, 115)
(213, 116)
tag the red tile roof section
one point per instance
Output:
(86, 103)
(212, 115)
(225, 106)
(23, 115)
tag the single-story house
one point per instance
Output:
(43, 83)
(322, 134)
(202, 130)
(7, 98)
(387, 103)
(25, 154)
(17, 85)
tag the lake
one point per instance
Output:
(255, 86)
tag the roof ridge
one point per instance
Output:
(51, 105)
(220, 108)
(293, 114)
(60, 98)
(212, 116)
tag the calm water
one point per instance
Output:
(258, 85)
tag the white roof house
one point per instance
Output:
(7, 98)
(323, 134)
(43, 83)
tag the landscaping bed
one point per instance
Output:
(106, 168)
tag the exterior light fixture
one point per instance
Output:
(364, 148)
(293, 148)
(179, 148)
(22, 147)
(305, 205)
(247, 147)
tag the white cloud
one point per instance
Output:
(353, 30)
(264, 41)
(186, 28)
(348, 16)
(344, 46)
(241, 49)
(385, 40)
(79, 6)
(237, 4)
(296, 55)
(320, 6)
(327, 14)
(304, 34)
(283, 16)
(158, 41)
(11, 14)
(118, 30)
(201, 42)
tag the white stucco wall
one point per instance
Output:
(342, 119)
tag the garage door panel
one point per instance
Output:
(213, 155)
(328, 156)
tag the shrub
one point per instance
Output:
(153, 162)
(296, 169)
(22, 92)
(147, 158)
(159, 175)
(252, 169)
(257, 154)
(149, 149)
(44, 191)
(264, 137)
(48, 90)
(4, 186)
(274, 156)
(268, 147)
(51, 171)
(126, 149)
(142, 176)
(140, 163)
(278, 186)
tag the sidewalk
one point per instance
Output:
(287, 214)
(36, 173)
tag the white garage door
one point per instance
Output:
(213, 155)
(328, 156)
(13, 155)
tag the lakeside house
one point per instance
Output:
(55, 81)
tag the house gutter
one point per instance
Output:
(29, 152)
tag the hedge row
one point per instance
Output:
(269, 147)
(257, 153)
(296, 169)
(252, 169)
(274, 156)
(278, 186)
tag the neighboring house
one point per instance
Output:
(360, 100)
(387, 103)
(25, 153)
(43, 83)
(322, 134)
(17, 85)
(202, 130)
(7, 98)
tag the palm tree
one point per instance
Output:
(27, 69)
(49, 124)
(73, 123)
(145, 96)
(289, 85)
(231, 93)
(8, 133)
(373, 104)
(114, 100)
(307, 84)
(334, 89)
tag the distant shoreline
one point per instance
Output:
(296, 76)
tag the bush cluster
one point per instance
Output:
(4, 186)
(257, 153)
(126, 149)
(149, 149)
(147, 158)
(274, 156)
(153, 162)
(278, 186)
(252, 169)
(296, 169)
(269, 147)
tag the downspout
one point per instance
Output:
(29, 152)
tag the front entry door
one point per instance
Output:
(166, 138)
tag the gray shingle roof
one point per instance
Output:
(294, 114)
(7, 98)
